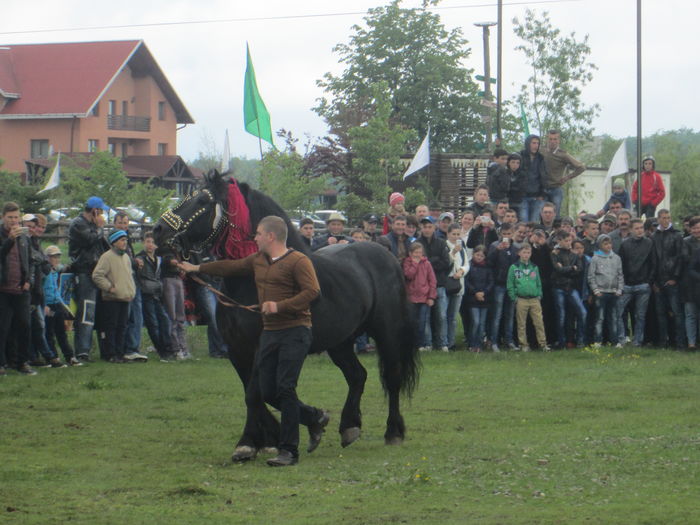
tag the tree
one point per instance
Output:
(560, 70)
(421, 64)
(284, 178)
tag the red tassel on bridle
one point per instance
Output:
(236, 241)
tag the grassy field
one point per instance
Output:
(567, 437)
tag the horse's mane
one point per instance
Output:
(259, 206)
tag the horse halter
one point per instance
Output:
(179, 225)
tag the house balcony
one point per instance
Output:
(128, 123)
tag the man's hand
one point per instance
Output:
(479, 296)
(670, 282)
(269, 307)
(344, 241)
(47, 311)
(25, 287)
(15, 232)
(139, 263)
(430, 302)
(332, 240)
(187, 267)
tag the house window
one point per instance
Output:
(125, 108)
(112, 107)
(93, 145)
(161, 110)
(111, 147)
(39, 149)
(124, 149)
(162, 149)
(96, 110)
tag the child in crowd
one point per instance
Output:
(567, 271)
(55, 310)
(113, 276)
(619, 193)
(421, 288)
(411, 228)
(606, 282)
(525, 290)
(479, 283)
(154, 315)
(358, 235)
(497, 176)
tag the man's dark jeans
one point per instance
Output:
(158, 325)
(116, 317)
(668, 300)
(14, 323)
(279, 361)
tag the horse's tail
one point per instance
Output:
(399, 363)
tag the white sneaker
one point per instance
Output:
(135, 356)
(618, 345)
(424, 349)
(513, 347)
(445, 349)
(596, 345)
(183, 356)
(495, 349)
(525, 348)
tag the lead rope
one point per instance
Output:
(224, 299)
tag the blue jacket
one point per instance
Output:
(51, 291)
(479, 279)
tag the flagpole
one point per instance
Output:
(639, 108)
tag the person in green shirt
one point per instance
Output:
(525, 289)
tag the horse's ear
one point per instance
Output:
(212, 177)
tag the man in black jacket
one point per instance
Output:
(15, 283)
(566, 274)
(639, 269)
(535, 172)
(668, 245)
(86, 243)
(501, 255)
(438, 254)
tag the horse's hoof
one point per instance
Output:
(396, 440)
(272, 451)
(349, 436)
(243, 454)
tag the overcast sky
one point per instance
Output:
(205, 62)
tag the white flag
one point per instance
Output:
(618, 165)
(422, 157)
(54, 179)
(226, 157)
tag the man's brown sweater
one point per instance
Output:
(289, 281)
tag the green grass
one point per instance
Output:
(568, 437)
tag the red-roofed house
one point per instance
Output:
(84, 97)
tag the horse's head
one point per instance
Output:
(197, 220)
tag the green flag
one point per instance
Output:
(523, 119)
(255, 114)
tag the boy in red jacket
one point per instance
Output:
(653, 191)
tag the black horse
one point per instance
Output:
(362, 290)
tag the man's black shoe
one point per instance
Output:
(316, 431)
(283, 459)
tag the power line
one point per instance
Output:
(263, 18)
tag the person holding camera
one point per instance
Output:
(86, 243)
(15, 284)
(335, 224)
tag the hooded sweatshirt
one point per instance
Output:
(605, 273)
(653, 190)
(534, 169)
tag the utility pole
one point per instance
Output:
(639, 108)
(499, 73)
(487, 101)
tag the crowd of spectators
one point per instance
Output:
(115, 293)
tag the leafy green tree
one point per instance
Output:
(421, 64)
(560, 70)
(284, 178)
(150, 198)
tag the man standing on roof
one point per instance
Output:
(561, 168)
(86, 243)
(653, 191)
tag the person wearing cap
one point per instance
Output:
(653, 190)
(438, 254)
(86, 243)
(38, 345)
(15, 282)
(114, 277)
(619, 193)
(335, 224)
(369, 226)
(607, 225)
(55, 309)
(396, 208)
(606, 282)
(446, 218)
(135, 323)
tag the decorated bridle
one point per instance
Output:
(179, 225)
